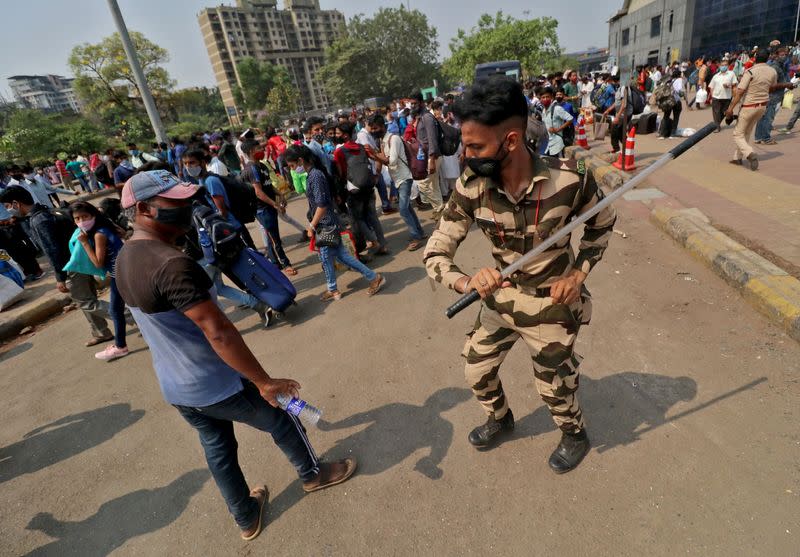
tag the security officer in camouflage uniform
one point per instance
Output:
(518, 199)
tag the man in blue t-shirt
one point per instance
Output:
(204, 367)
(123, 169)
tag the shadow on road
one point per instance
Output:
(118, 520)
(64, 438)
(393, 433)
(15, 351)
(622, 407)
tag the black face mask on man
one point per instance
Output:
(489, 167)
(179, 217)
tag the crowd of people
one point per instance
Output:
(404, 157)
(763, 75)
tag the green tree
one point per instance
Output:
(105, 84)
(389, 54)
(31, 135)
(282, 99)
(534, 42)
(256, 79)
(200, 108)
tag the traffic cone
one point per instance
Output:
(627, 163)
(580, 137)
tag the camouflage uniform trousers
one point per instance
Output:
(549, 330)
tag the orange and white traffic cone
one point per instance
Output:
(580, 136)
(627, 162)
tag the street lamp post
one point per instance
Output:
(138, 74)
(796, 20)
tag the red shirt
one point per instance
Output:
(276, 146)
(411, 132)
(62, 167)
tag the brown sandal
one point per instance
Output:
(332, 473)
(261, 494)
(290, 271)
(95, 341)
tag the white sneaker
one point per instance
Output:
(112, 352)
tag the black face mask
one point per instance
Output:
(488, 167)
(319, 138)
(179, 217)
(378, 135)
(338, 140)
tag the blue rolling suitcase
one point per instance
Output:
(255, 274)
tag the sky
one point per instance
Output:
(43, 32)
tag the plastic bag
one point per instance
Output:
(685, 132)
(11, 281)
(788, 99)
(701, 98)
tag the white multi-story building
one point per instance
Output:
(49, 93)
(294, 38)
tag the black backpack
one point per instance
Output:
(637, 100)
(102, 174)
(449, 138)
(359, 171)
(241, 197)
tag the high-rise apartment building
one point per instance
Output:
(49, 93)
(294, 37)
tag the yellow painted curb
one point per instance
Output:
(766, 286)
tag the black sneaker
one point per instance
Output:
(483, 435)
(265, 313)
(570, 451)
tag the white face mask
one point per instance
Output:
(86, 225)
(194, 171)
(299, 169)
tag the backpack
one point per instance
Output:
(596, 96)
(241, 197)
(449, 138)
(359, 171)
(102, 175)
(218, 239)
(637, 100)
(665, 96)
(417, 167)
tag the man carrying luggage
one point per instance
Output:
(203, 365)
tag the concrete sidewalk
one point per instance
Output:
(758, 209)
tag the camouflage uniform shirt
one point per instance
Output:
(560, 190)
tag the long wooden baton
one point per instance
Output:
(473, 295)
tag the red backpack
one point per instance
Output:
(417, 166)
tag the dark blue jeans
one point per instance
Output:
(117, 311)
(269, 220)
(215, 425)
(407, 211)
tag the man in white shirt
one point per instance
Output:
(216, 166)
(722, 85)
(365, 138)
(393, 155)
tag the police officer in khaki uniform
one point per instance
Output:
(518, 200)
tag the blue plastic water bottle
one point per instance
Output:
(205, 245)
(307, 414)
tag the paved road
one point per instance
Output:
(692, 401)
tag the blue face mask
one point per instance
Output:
(299, 170)
(133, 152)
(723, 69)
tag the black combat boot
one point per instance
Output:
(482, 435)
(570, 451)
